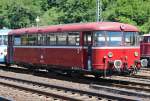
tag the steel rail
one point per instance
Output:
(127, 80)
(122, 91)
(113, 82)
(145, 69)
(89, 93)
(139, 76)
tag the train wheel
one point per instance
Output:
(7, 64)
(97, 76)
(76, 74)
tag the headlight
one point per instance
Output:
(5, 52)
(117, 63)
(136, 54)
(144, 62)
(110, 54)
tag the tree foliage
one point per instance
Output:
(136, 12)
(22, 13)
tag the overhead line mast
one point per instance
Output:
(98, 10)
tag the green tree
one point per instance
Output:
(73, 11)
(136, 12)
(19, 13)
(51, 16)
(22, 13)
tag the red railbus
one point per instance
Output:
(97, 47)
(145, 50)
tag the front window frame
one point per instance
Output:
(132, 42)
(114, 39)
(106, 40)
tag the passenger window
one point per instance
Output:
(24, 40)
(17, 40)
(62, 39)
(32, 40)
(73, 38)
(130, 39)
(148, 39)
(41, 39)
(52, 39)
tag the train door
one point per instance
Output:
(88, 50)
(42, 50)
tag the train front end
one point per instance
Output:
(145, 49)
(3, 44)
(3, 53)
(117, 51)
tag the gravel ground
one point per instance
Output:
(44, 80)
(19, 95)
(144, 73)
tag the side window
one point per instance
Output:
(148, 39)
(17, 41)
(87, 38)
(145, 39)
(24, 40)
(52, 39)
(73, 38)
(32, 40)
(62, 39)
(130, 39)
(41, 39)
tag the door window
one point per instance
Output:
(87, 38)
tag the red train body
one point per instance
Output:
(98, 47)
(145, 49)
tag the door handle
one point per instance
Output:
(78, 50)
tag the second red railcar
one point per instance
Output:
(145, 49)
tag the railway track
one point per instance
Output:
(146, 69)
(103, 88)
(131, 84)
(144, 73)
(129, 80)
(140, 77)
(61, 92)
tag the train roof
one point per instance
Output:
(4, 31)
(93, 26)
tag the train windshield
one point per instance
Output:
(103, 38)
(3, 40)
(112, 38)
